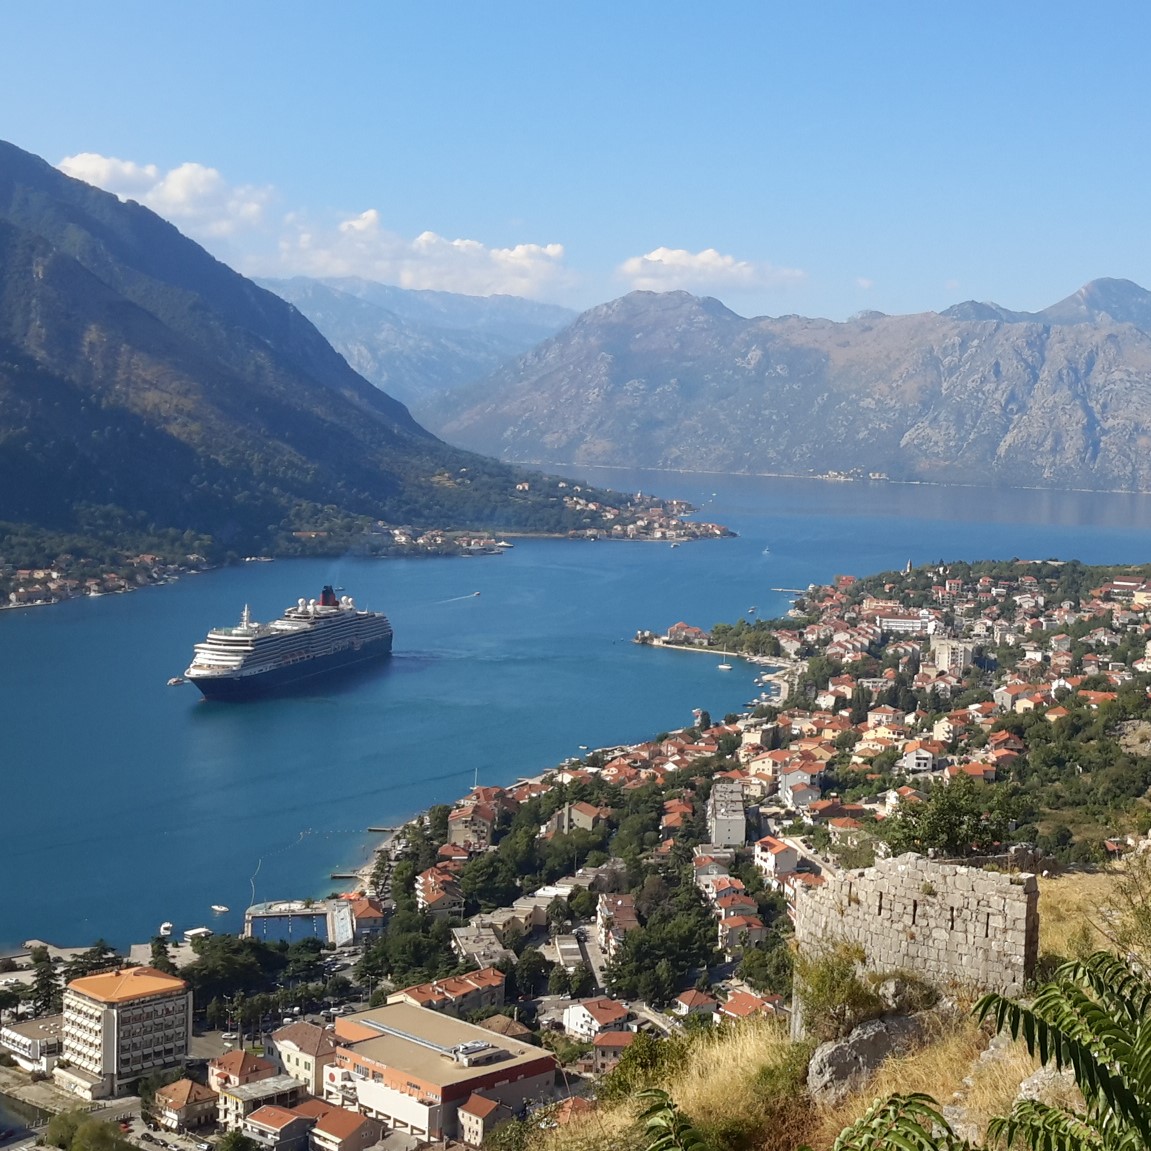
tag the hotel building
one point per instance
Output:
(121, 1025)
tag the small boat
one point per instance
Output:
(219, 908)
(725, 666)
(166, 928)
(505, 544)
(176, 680)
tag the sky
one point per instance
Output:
(818, 158)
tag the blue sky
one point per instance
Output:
(819, 158)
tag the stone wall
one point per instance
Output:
(942, 922)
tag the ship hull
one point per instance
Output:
(293, 677)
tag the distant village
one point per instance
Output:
(635, 518)
(902, 687)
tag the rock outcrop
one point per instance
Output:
(844, 1065)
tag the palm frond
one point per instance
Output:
(1065, 1026)
(1114, 982)
(901, 1123)
(1039, 1127)
(665, 1127)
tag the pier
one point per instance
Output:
(343, 875)
(382, 830)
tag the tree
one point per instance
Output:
(581, 982)
(531, 967)
(100, 955)
(237, 1141)
(162, 957)
(559, 983)
(47, 994)
(959, 818)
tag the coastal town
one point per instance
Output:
(70, 574)
(500, 957)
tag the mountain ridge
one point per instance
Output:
(142, 381)
(666, 380)
(417, 344)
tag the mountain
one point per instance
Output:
(1099, 302)
(977, 394)
(144, 382)
(418, 344)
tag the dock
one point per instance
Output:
(382, 830)
(792, 590)
(343, 875)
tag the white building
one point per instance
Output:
(726, 822)
(35, 1044)
(121, 1025)
(586, 1019)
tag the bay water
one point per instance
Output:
(124, 802)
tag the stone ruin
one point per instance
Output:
(942, 922)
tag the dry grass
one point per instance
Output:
(1070, 908)
(735, 1085)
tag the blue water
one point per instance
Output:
(124, 802)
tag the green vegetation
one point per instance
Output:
(79, 1131)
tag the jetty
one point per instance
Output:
(382, 830)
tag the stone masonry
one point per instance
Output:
(942, 922)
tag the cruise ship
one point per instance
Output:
(309, 640)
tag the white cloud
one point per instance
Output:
(232, 219)
(864, 283)
(361, 246)
(194, 197)
(665, 269)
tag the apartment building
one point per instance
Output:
(121, 1025)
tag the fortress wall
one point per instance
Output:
(942, 922)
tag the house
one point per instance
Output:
(797, 788)
(478, 1116)
(344, 1130)
(438, 893)
(509, 1028)
(184, 1105)
(743, 1005)
(684, 633)
(615, 917)
(587, 1018)
(730, 903)
(774, 859)
(737, 932)
(572, 816)
(368, 916)
(479, 943)
(570, 1108)
(457, 995)
(235, 1068)
(235, 1104)
(726, 820)
(303, 1050)
(694, 1002)
(275, 1128)
(607, 1049)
